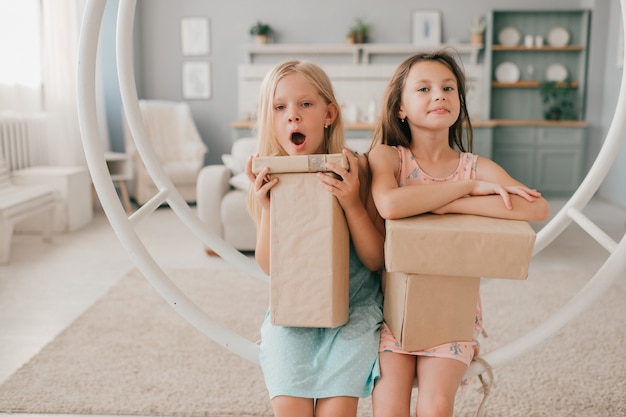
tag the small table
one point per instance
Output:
(121, 170)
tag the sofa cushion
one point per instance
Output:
(239, 154)
(240, 181)
(229, 162)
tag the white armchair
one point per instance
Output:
(222, 197)
(177, 144)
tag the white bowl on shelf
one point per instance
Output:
(509, 36)
(558, 36)
(507, 72)
(556, 72)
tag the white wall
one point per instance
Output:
(613, 187)
(159, 60)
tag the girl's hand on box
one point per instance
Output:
(489, 188)
(261, 183)
(347, 188)
(505, 191)
(492, 176)
(528, 194)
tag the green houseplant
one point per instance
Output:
(261, 32)
(558, 99)
(359, 32)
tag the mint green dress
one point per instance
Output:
(322, 362)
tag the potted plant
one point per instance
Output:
(261, 32)
(558, 98)
(359, 32)
(477, 27)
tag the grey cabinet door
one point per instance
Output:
(560, 159)
(550, 159)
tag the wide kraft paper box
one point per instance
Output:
(309, 252)
(424, 311)
(459, 245)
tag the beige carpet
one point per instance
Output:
(132, 354)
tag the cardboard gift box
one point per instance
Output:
(298, 163)
(459, 245)
(435, 263)
(309, 244)
(424, 311)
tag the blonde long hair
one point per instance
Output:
(268, 144)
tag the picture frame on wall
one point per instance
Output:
(195, 36)
(427, 27)
(196, 80)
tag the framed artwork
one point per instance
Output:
(194, 35)
(196, 80)
(427, 27)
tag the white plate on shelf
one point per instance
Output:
(507, 72)
(509, 36)
(556, 72)
(558, 36)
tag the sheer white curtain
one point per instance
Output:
(20, 71)
(39, 49)
(60, 27)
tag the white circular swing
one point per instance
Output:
(124, 226)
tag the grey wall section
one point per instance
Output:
(613, 187)
(109, 75)
(159, 59)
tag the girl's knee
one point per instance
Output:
(285, 406)
(336, 407)
(435, 406)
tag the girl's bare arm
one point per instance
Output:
(262, 185)
(366, 227)
(395, 202)
(492, 206)
(494, 193)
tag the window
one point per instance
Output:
(20, 42)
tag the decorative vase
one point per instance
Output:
(477, 38)
(261, 39)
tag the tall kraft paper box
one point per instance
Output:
(309, 238)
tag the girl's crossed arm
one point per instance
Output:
(494, 193)
(520, 202)
(395, 202)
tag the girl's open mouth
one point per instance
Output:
(297, 138)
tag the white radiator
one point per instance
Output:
(23, 141)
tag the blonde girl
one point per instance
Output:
(318, 371)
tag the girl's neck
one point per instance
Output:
(436, 160)
(428, 146)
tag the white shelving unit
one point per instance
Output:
(358, 53)
(369, 49)
(299, 49)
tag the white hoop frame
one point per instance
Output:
(124, 226)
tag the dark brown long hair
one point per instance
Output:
(390, 130)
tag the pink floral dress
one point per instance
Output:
(411, 174)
